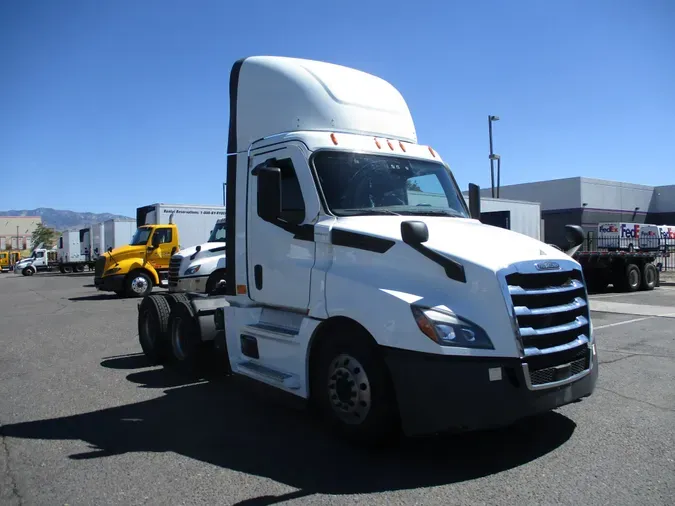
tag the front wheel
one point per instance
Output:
(28, 271)
(138, 284)
(353, 391)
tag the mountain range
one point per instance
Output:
(61, 219)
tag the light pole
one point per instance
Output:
(492, 159)
(499, 171)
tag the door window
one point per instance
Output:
(164, 235)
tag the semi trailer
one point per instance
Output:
(162, 230)
(73, 251)
(386, 315)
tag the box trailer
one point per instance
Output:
(194, 222)
(515, 215)
(71, 248)
(117, 232)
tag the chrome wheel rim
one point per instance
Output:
(349, 389)
(139, 285)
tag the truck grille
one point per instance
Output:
(174, 270)
(551, 307)
(98, 267)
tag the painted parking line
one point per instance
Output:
(598, 327)
(631, 309)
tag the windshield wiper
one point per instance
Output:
(438, 212)
(371, 211)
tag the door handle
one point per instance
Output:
(258, 276)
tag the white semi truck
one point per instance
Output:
(384, 314)
(200, 268)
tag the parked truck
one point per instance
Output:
(8, 258)
(40, 260)
(162, 230)
(200, 268)
(383, 314)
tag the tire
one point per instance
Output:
(184, 337)
(67, 269)
(138, 284)
(214, 279)
(649, 277)
(352, 389)
(631, 278)
(153, 323)
(79, 268)
(28, 271)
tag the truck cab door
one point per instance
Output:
(160, 256)
(281, 253)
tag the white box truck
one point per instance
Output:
(340, 291)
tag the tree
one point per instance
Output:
(413, 186)
(44, 235)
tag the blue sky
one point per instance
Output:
(107, 106)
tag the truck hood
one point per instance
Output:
(124, 252)
(465, 240)
(207, 249)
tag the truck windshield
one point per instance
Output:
(218, 233)
(359, 184)
(141, 236)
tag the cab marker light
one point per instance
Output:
(431, 150)
(390, 145)
(402, 146)
(377, 143)
(333, 138)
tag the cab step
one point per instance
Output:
(267, 374)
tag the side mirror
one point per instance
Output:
(574, 235)
(155, 241)
(414, 232)
(269, 193)
(474, 201)
(109, 249)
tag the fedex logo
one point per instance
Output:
(608, 228)
(631, 232)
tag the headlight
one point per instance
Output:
(448, 329)
(192, 270)
(112, 271)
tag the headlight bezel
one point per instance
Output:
(439, 324)
(194, 269)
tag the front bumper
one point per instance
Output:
(114, 283)
(441, 393)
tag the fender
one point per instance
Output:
(126, 266)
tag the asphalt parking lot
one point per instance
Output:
(85, 421)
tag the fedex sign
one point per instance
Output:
(605, 229)
(630, 231)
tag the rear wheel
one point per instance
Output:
(629, 280)
(153, 322)
(649, 275)
(184, 336)
(352, 388)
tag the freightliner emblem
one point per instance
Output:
(547, 266)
